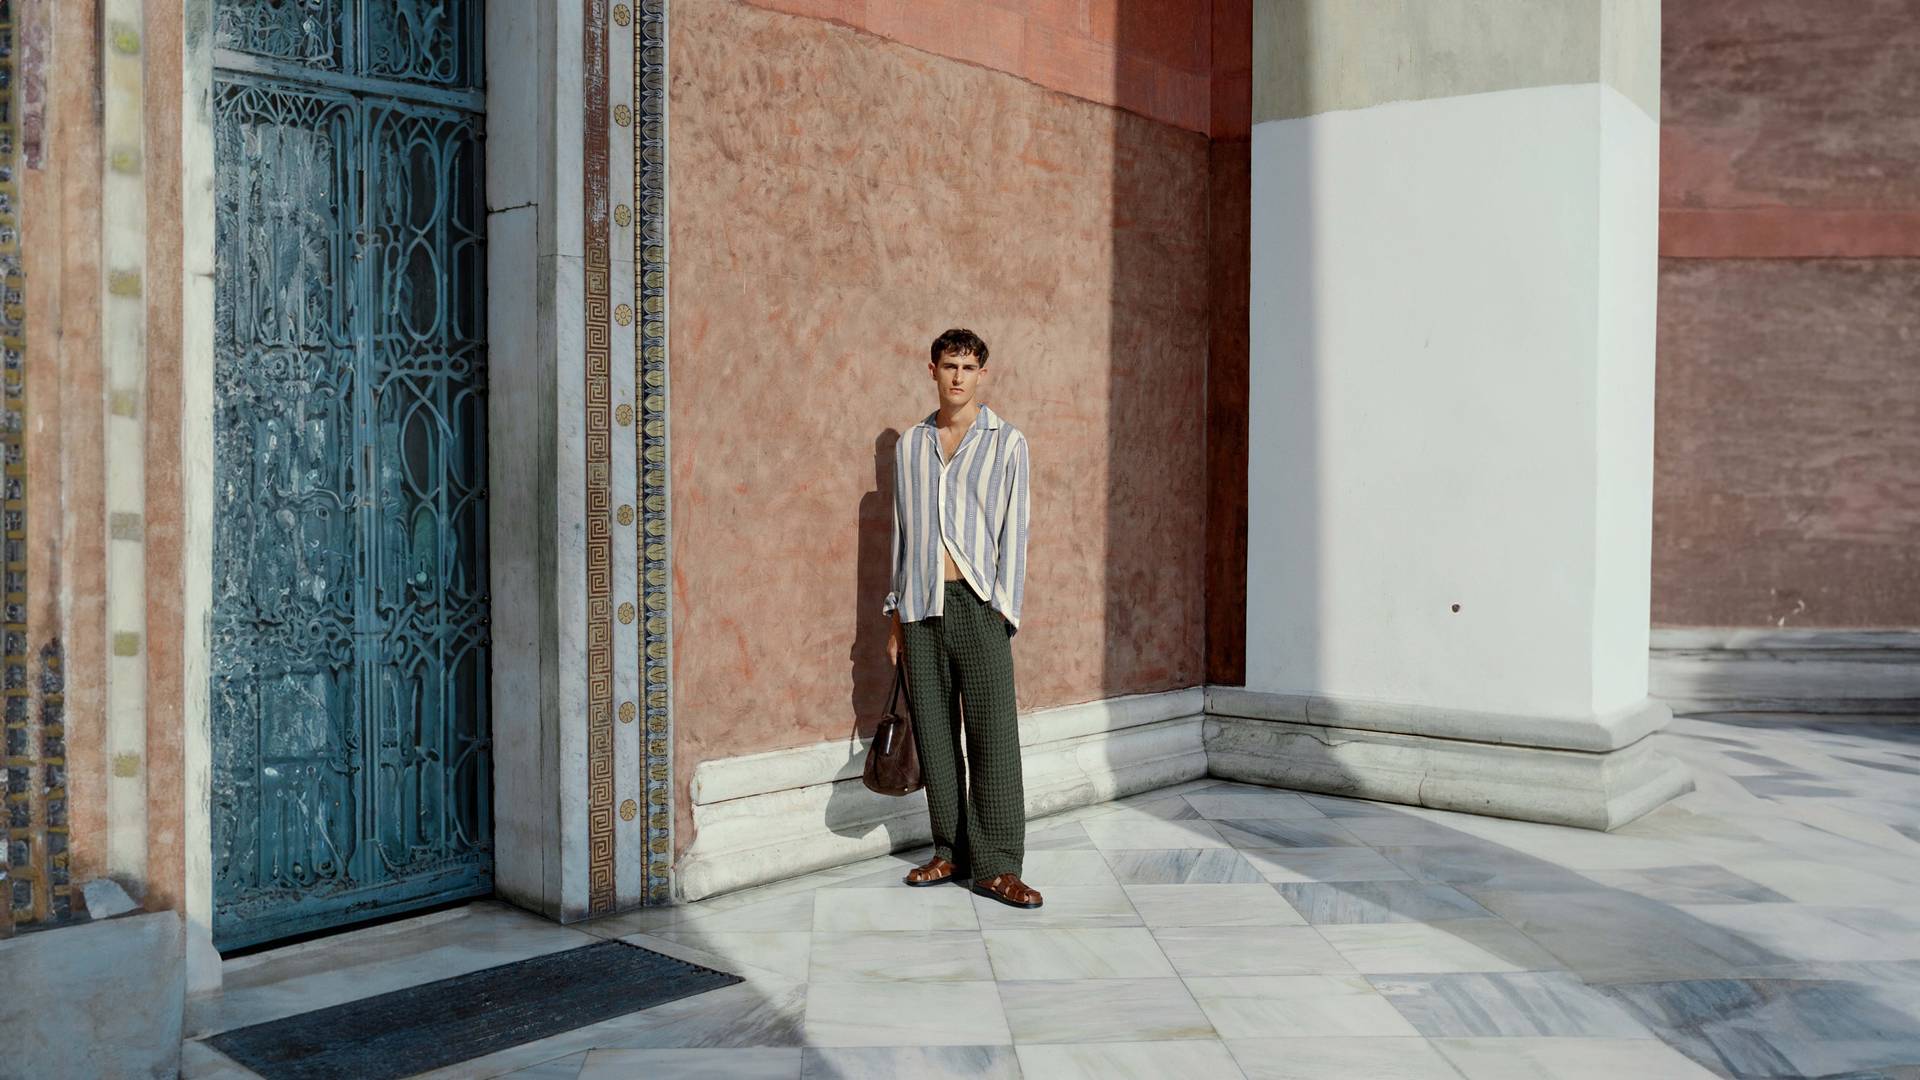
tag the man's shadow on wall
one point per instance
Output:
(853, 811)
(872, 675)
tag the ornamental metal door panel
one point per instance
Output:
(349, 698)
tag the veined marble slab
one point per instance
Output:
(1590, 788)
(1310, 1058)
(1786, 671)
(1183, 866)
(1524, 1003)
(1259, 1006)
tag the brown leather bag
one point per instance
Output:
(893, 760)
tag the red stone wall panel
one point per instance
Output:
(1785, 489)
(1778, 109)
(1787, 444)
(1231, 195)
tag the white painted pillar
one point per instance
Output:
(1454, 221)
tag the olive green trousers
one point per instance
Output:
(960, 675)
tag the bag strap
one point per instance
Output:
(899, 679)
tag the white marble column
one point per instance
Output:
(535, 325)
(1451, 392)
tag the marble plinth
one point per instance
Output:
(1780, 671)
(764, 817)
(1599, 774)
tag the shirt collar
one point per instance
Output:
(987, 419)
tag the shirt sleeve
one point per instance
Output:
(899, 575)
(1010, 577)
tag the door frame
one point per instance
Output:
(584, 751)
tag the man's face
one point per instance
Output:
(958, 376)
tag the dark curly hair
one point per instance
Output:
(962, 342)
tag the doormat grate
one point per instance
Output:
(468, 1016)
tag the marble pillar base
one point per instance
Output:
(1596, 774)
(1787, 671)
(764, 817)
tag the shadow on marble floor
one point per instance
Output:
(1762, 926)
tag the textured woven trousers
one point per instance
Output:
(960, 663)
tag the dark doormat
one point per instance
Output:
(468, 1016)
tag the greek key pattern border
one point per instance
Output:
(650, 381)
(598, 291)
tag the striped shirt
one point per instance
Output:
(975, 503)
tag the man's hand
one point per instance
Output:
(895, 638)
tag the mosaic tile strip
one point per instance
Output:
(599, 465)
(629, 857)
(33, 803)
(650, 381)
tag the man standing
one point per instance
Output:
(959, 573)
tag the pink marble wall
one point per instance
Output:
(1148, 56)
(1786, 456)
(837, 200)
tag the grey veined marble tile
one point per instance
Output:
(1700, 884)
(1102, 1010)
(1044, 869)
(1480, 863)
(1116, 953)
(1137, 834)
(1569, 1059)
(1285, 833)
(1378, 901)
(1189, 1059)
(1781, 1027)
(1611, 936)
(1188, 866)
(1250, 950)
(1068, 836)
(1253, 1007)
(764, 1063)
(1212, 905)
(1521, 1003)
(919, 1062)
(1312, 1058)
(1247, 804)
(927, 955)
(1323, 864)
(905, 1014)
(564, 1068)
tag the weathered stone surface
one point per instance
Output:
(1787, 435)
(1557, 787)
(826, 226)
(1315, 56)
(1148, 56)
(1849, 672)
(105, 899)
(1780, 103)
(107, 999)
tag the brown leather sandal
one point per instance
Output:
(1009, 890)
(936, 871)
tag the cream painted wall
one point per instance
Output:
(1451, 402)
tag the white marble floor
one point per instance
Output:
(1766, 925)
